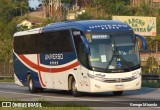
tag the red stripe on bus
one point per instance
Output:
(39, 73)
(33, 65)
(44, 69)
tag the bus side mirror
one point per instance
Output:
(86, 45)
(143, 41)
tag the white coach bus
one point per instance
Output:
(79, 56)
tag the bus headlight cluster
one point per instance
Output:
(90, 76)
(136, 74)
(97, 77)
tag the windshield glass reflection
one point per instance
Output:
(118, 51)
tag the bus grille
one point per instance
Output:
(118, 80)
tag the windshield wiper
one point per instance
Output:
(113, 56)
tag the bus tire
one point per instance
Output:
(74, 91)
(31, 87)
(40, 90)
(117, 93)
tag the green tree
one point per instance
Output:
(8, 21)
(6, 11)
(21, 6)
(151, 63)
(145, 9)
(6, 37)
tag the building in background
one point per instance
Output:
(30, 23)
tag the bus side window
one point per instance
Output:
(82, 57)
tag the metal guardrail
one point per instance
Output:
(151, 77)
(7, 77)
(6, 70)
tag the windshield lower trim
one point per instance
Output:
(116, 70)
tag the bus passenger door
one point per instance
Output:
(83, 79)
(82, 70)
(81, 74)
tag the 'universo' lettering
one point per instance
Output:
(53, 56)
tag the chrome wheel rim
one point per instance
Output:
(74, 86)
(30, 84)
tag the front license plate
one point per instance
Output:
(121, 86)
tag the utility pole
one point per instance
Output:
(97, 8)
(76, 9)
(151, 4)
(133, 2)
(50, 8)
(60, 5)
(156, 46)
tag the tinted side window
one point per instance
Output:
(49, 42)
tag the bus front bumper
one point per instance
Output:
(100, 86)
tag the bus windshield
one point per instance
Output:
(115, 51)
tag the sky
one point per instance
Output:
(33, 3)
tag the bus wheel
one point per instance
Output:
(31, 87)
(40, 90)
(117, 93)
(74, 88)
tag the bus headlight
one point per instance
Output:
(97, 77)
(136, 75)
(90, 76)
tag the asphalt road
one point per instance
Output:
(102, 100)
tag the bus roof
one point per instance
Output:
(31, 31)
(84, 25)
(91, 26)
